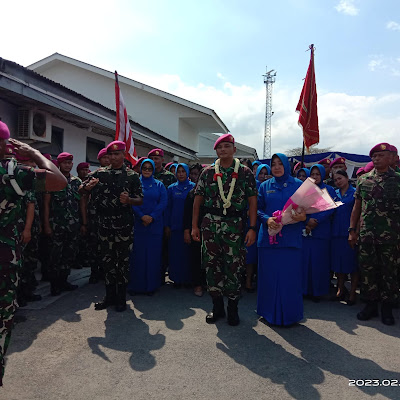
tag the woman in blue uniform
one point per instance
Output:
(316, 245)
(179, 251)
(263, 173)
(343, 257)
(303, 174)
(279, 298)
(145, 262)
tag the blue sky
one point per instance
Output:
(215, 52)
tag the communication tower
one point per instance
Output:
(269, 80)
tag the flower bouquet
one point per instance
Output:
(309, 198)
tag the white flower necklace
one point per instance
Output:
(226, 200)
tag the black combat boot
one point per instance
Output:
(55, 289)
(233, 316)
(217, 312)
(65, 286)
(386, 313)
(369, 311)
(110, 299)
(121, 298)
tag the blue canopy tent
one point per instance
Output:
(353, 161)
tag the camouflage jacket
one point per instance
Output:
(30, 197)
(11, 203)
(380, 207)
(64, 206)
(105, 195)
(245, 187)
(166, 177)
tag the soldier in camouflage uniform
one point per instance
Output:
(167, 178)
(14, 180)
(115, 188)
(61, 221)
(377, 207)
(224, 235)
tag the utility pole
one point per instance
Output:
(269, 80)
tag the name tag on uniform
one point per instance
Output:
(270, 191)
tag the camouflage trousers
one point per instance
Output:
(9, 265)
(93, 261)
(223, 255)
(379, 267)
(29, 260)
(115, 248)
(63, 252)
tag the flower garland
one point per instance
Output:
(218, 175)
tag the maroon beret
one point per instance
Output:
(325, 161)
(82, 165)
(393, 148)
(4, 131)
(369, 167)
(224, 138)
(360, 171)
(339, 160)
(155, 152)
(116, 145)
(64, 157)
(102, 153)
(380, 147)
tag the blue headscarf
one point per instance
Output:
(255, 162)
(321, 169)
(286, 166)
(260, 167)
(183, 185)
(306, 170)
(146, 182)
(173, 165)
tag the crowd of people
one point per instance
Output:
(202, 226)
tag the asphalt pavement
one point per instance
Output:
(161, 348)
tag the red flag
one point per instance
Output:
(123, 129)
(307, 106)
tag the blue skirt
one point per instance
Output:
(179, 270)
(279, 298)
(252, 254)
(343, 257)
(316, 266)
(145, 263)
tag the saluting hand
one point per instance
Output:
(124, 198)
(22, 149)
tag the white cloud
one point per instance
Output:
(347, 7)
(382, 63)
(392, 25)
(347, 123)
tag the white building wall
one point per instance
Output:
(154, 112)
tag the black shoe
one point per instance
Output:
(93, 279)
(55, 287)
(316, 299)
(68, 287)
(233, 316)
(217, 312)
(369, 311)
(110, 299)
(386, 314)
(33, 297)
(121, 298)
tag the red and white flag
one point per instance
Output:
(307, 106)
(123, 129)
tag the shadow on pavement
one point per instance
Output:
(328, 356)
(140, 344)
(270, 360)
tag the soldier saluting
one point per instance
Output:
(14, 181)
(226, 190)
(116, 189)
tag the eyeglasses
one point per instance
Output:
(147, 169)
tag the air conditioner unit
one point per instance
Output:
(35, 125)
